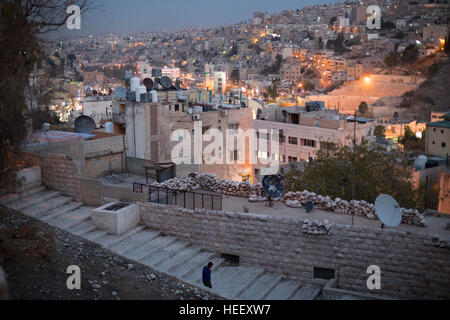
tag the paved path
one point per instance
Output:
(165, 254)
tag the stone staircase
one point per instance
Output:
(166, 254)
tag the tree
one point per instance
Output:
(379, 131)
(22, 22)
(308, 86)
(331, 174)
(411, 142)
(410, 54)
(391, 59)
(363, 107)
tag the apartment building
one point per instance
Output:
(303, 131)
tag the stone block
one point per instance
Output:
(116, 221)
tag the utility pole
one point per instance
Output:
(354, 167)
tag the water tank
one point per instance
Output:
(134, 83)
(139, 90)
(154, 94)
(420, 162)
(109, 127)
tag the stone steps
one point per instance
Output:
(261, 287)
(5, 200)
(195, 276)
(166, 253)
(179, 259)
(27, 201)
(95, 234)
(46, 206)
(151, 247)
(83, 228)
(196, 263)
(72, 218)
(135, 241)
(232, 285)
(45, 216)
(112, 239)
(283, 290)
(306, 292)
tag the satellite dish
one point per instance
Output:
(388, 210)
(120, 92)
(148, 83)
(84, 124)
(166, 82)
(273, 186)
(309, 206)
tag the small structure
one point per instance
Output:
(116, 217)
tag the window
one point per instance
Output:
(292, 159)
(308, 143)
(234, 155)
(443, 144)
(292, 140)
(323, 273)
(263, 155)
(434, 142)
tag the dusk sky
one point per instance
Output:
(123, 16)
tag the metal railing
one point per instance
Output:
(184, 199)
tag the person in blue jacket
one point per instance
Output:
(207, 275)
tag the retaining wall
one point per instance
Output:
(412, 265)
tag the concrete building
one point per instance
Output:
(303, 131)
(437, 138)
(220, 82)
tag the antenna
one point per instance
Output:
(84, 124)
(166, 82)
(388, 211)
(273, 186)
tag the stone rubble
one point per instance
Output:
(255, 193)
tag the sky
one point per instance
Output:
(122, 16)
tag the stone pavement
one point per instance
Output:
(166, 254)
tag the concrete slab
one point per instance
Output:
(195, 263)
(135, 241)
(148, 249)
(283, 290)
(181, 258)
(166, 253)
(112, 239)
(46, 206)
(260, 287)
(306, 292)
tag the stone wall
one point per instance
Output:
(412, 265)
(60, 172)
(103, 165)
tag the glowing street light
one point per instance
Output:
(367, 80)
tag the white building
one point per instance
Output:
(220, 82)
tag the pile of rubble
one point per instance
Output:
(212, 183)
(316, 227)
(255, 193)
(361, 208)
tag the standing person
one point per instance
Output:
(207, 275)
(3, 285)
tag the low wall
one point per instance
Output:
(60, 172)
(95, 193)
(412, 265)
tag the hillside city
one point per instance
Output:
(262, 146)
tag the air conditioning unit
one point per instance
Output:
(196, 117)
(224, 112)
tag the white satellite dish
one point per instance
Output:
(388, 210)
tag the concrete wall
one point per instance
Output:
(444, 193)
(412, 265)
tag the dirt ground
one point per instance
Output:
(35, 257)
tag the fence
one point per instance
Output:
(186, 199)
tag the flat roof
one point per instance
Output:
(441, 124)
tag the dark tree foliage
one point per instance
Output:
(331, 174)
(21, 24)
(363, 107)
